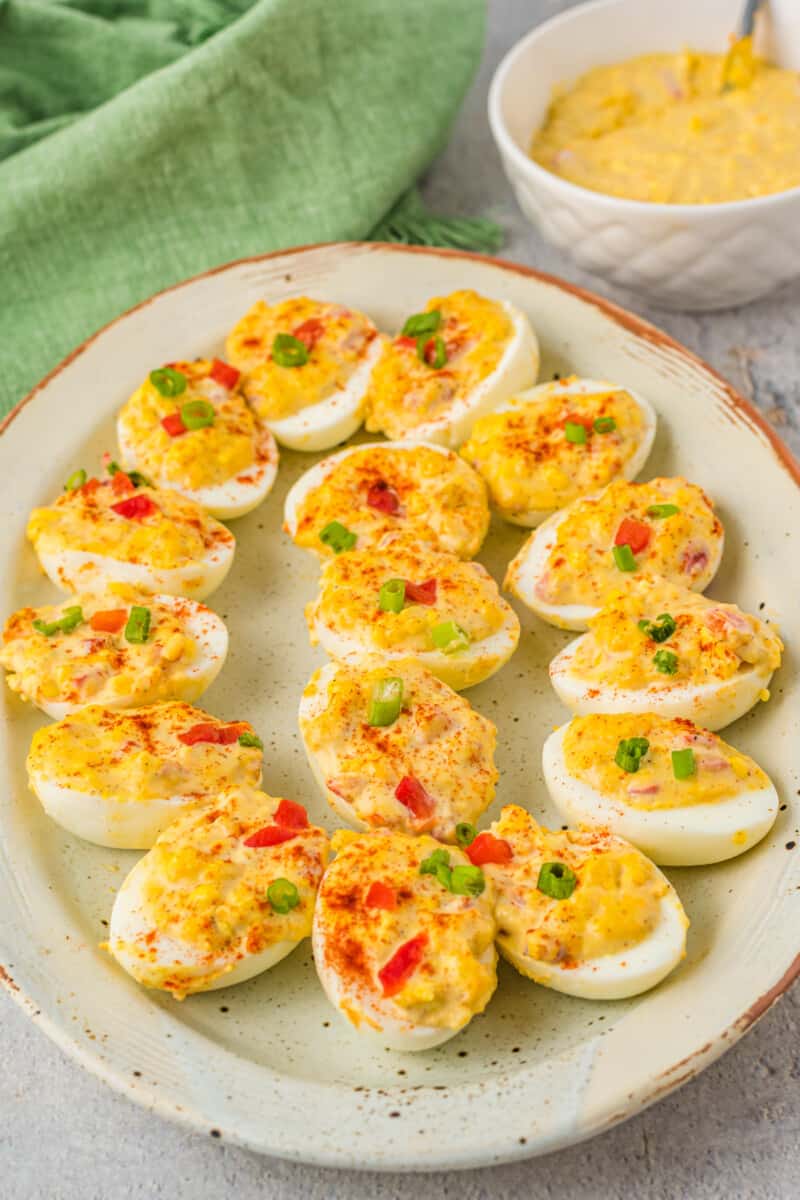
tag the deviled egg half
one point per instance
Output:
(404, 938)
(582, 912)
(118, 529)
(402, 601)
(459, 358)
(666, 528)
(664, 649)
(120, 778)
(119, 649)
(393, 747)
(546, 447)
(189, 427)
(356, 497)
(306, 366)
(223, 895)
(678, 792)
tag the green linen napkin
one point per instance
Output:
(142, 141)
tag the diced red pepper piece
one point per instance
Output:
(412, 794)
(270, 835)
(384, 498)
(401, 966)
(410, 343)
(633, 533)
(291, 815)
(121, 484)
(486, 848)
(421, 593)
(135, 507)
(579, 419)
(205, 731)
(309, 332)
(380, 895)
(91, 486)
(224, 373)
(173, 423)
(110, 620)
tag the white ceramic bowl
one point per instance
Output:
(675, 255)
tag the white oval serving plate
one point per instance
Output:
(269, 1064)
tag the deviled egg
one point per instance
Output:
(357, 496)
(404, 938)
(546, 447)
(392, 746)
(666, 528)
(306, 366)
(188, 427)
(581, 912)
(459, 358)
(121, 530)
(120, 778)
(678, 792)
(402, 601)
(119, 649)
(659, 648)
(223, 895)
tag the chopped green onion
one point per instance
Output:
(250, 739)
(556, 880)
(168, 382)
(465, 833)
(666, 662)
(48, 628)
(450, 637)
(338, 537)
(77, 479)
(288, 351)
(283, 896)
(439, 351)
(113, 468)
(70, 619)
(466, 880)
(576, 433)
(392, 595)
(138, 626)
(438, 864)
(630, 753)
(386, 701)
(683, 764)
(197, 414)
(662, 510)
(623, 557)
(424, 322)
(604, 425)
(659, 630)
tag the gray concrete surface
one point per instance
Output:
(732, 1134)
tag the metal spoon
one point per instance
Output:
(739, 65)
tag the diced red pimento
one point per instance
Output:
(270, 835)
(380, 895)
(135, 508)
(413, 796)
(633, 533)
(309, 332)
(206, 731)
(109, 620)
(421, 593)
(121, 484)
(383, 498)
(224, 373)
(395, 974)
(291, 815)
(486, 848)
(410, 343)
(173, 423)
(90, 487)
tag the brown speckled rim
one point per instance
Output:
(741, 410)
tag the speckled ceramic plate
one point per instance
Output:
(269, 1064)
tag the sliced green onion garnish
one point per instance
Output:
(288, 351)
(392, 595)
(630, 753)
(71, 618)
(556, 880)
(138, 626)
(604, 425)
(683, 764)
(197, 414)
(439, 351)
(424, 322)
(168, 381)
(250, 739)
(48, 628)
(113, 468)
(437, 864)
(623, 557)
(450, 637)
(575, 432)
(466, 880)
(659, 630)
(338, 537)
(138, 479)
(386, 701)
(662, 510)
(283, 896)
(77, 479)
(666, 662)
(465, 833)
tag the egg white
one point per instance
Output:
(688, 836)
(311, 707)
